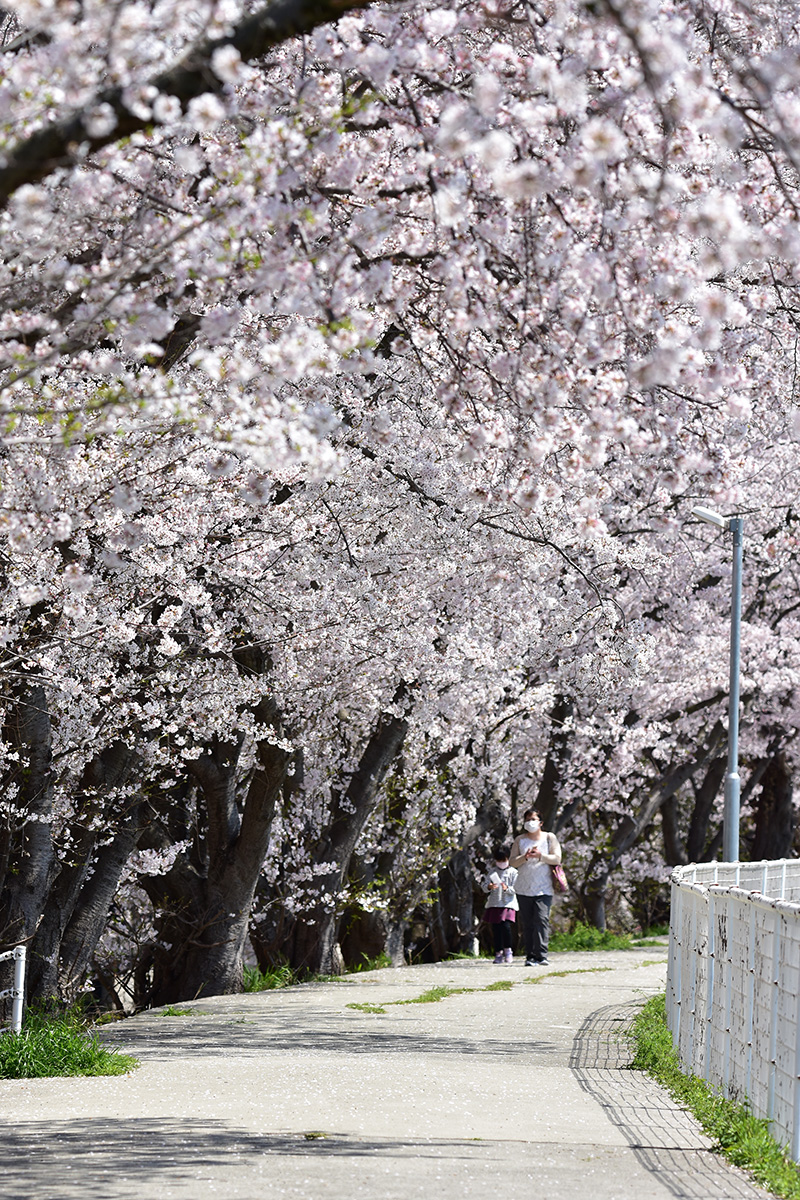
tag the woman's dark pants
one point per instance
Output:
(534, 912)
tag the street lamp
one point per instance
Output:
(730, 816)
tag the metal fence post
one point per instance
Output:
(18, 996)
(726, 1054)
(796, 1089)
(692, 990)
(751, 988)
(773, 1020)
(677, 983)
(711, 952)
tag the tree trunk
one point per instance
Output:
(86, 881)
(453, 921)
(775, 816)
(90, 914)
(203, 903)
(698, 841)
(313, 945)
(674, 853)
(201, 938)
(593, 899)
(454, 927)
(27, 858)
(559, 752)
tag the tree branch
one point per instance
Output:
(52, 146)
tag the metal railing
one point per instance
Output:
(17, 992)
(733, 985)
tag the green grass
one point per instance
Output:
(172, 1011)
(743, 1139)
(264, 981)
(586, 937)
(283, 976)
(370, 964)
(561, 974)
(58, 1043)
(435, 994)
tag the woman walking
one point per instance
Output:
(533, 853)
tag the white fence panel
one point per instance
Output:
(733, 984)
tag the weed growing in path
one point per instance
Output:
(561, 974)
(434, 995)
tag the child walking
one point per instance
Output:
(501, 907)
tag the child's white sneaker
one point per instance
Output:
(508, 956)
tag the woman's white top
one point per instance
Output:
(534, 877)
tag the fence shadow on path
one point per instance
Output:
(666, 1140)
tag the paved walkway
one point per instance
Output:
(489, 1093)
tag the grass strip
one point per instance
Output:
(433, 996)
(742, 1138)
(58, 1044)
(561, 974)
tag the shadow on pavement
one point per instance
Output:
(203, 1037)
(665, 1139)
(95, 1158)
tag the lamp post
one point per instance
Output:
(730, 816)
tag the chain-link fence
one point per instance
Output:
(733, 986)
(12, 989)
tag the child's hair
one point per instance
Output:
(501, 853)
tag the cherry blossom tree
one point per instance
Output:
(359, 368)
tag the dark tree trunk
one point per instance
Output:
(699, 838)
(453, 924)
(559, 752)
(775, 816)
(453, 917)
(313, 944)
(86, 881)
(593, 898)
(363, 935)
(673, 843)
(203, 903)
(202, 930)
(27, 857)
(90, 914)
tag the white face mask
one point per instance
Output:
(533, 826)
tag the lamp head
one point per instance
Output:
(710, 517)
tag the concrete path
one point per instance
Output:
(297, 1093)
